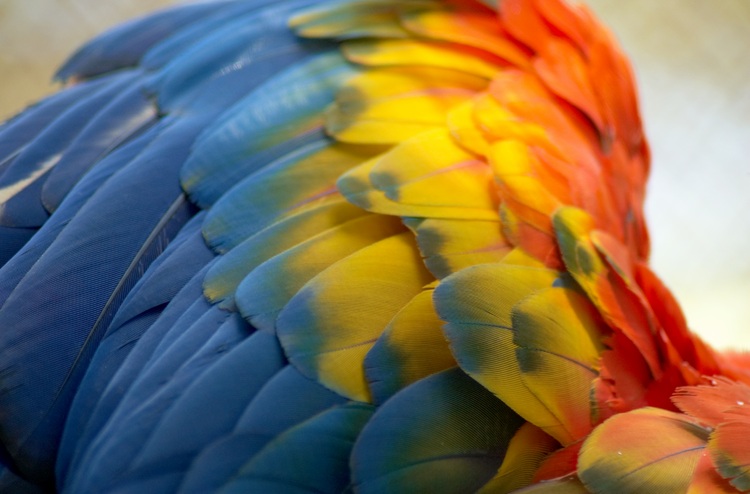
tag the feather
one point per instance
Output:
(21, 184)
(557, 333)
(411, 347)
(223, 282)
(327, 328)
(127, 115)
(26, 126)
(444, 433)
(364, 19)
(395, 52)
(17, 268)
(449, 245)
(270, 286)
(728, 448)
(523, 456)
(123, 46)
(385, 186)
(621, 455)
(155, 391)
(169, 48)
(304, 179)
(186, 307)
(139, 311)
(277, 118)
(288, 399)
(284, 465)
(146, 223)
(619, 307)
(482, 335)
(394, 119)
(467, 25)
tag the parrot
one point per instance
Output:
(348, 246)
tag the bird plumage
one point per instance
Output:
(366, 245)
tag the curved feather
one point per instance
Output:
(621, 455)
(124, 45)
(444, 433)
(327, 328)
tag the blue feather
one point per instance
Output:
(288, 399)
(124, 45)
(156, 390)
(262, 42)
(442, 434)
(22, 129)
(278, 117)
(30, 168)
(172, 47)
(187, 305)
(17, 268)
(143, 305)
(285, 465)
(127, 115)
(80, 281)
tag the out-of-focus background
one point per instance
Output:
(693, 66)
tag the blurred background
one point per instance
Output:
(692, 60)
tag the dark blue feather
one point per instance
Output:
(187, 306)
(12, 240)
(153, 394)
(288, 399)
(127, 115)
(233, 380)
(29, 169)
(60, 309)
(184, 257)
(14, 270)
(170, 48)
(124, 45)
(18, 132)
(285, 465)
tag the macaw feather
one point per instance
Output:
(411, 347)
(478, 304)
(467, 25)
(527, 449)
(709, 403)
(449, 245)
(442, 434)
(620, 307)
(282, 108)
(303, 179)
(727, 446)
(287, 400)
(223, 280)
(558, 337)
(396, 52)
(385, 186)
(285, 464)
(22, 181)
(622, 455)
(394, 119)
(328, 327)
(126, 116)
(363, 19)
(386, 82)
(22, 129)
(268, 288)
(125, 45)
